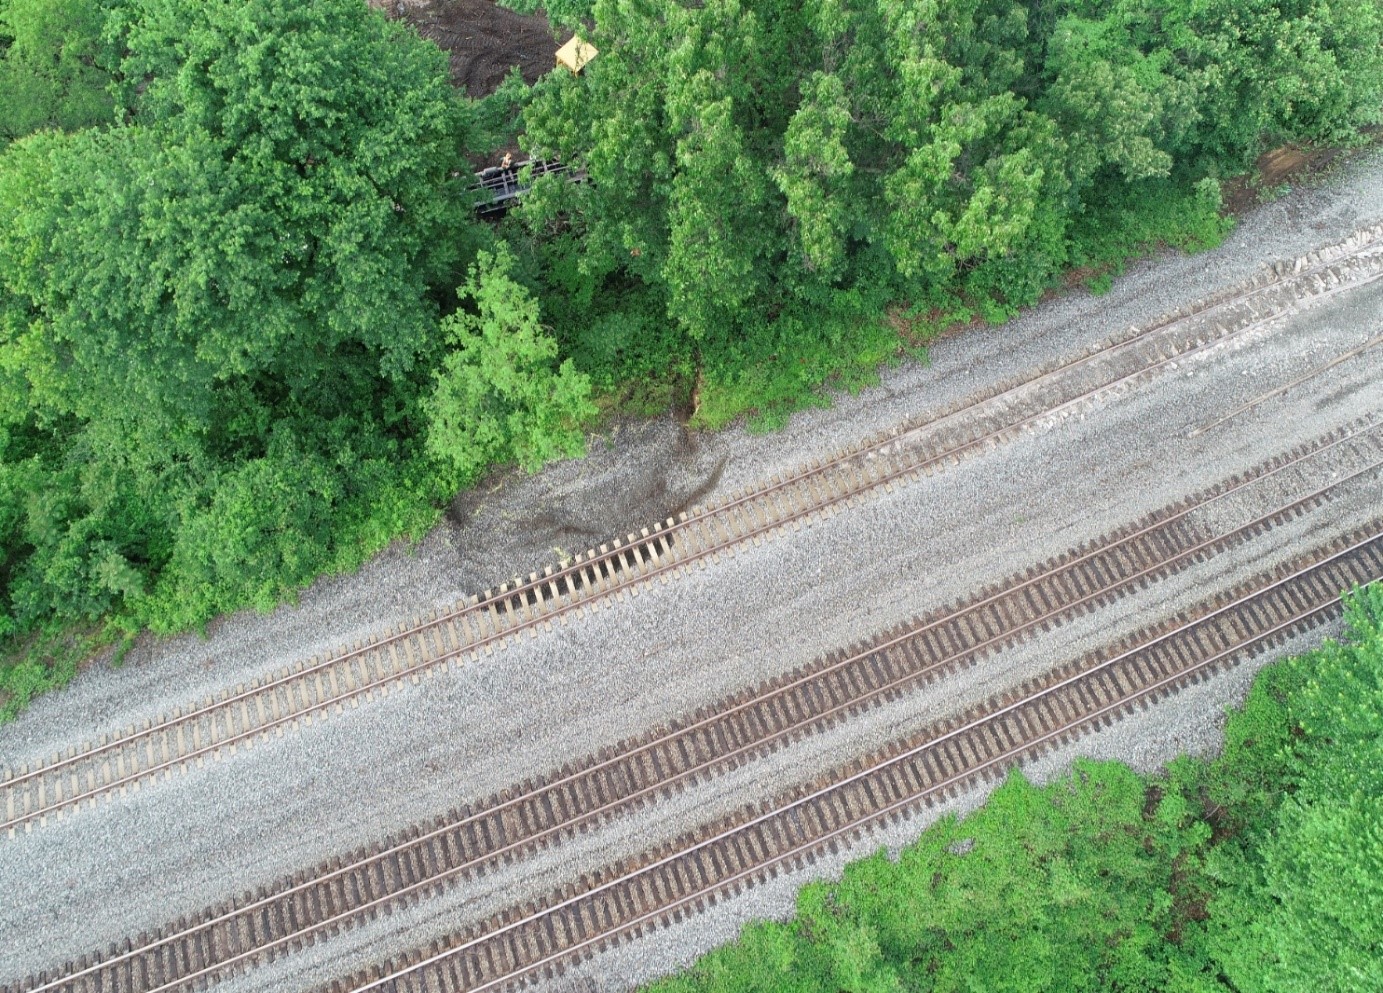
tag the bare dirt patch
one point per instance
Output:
(605, 495)
(1278, 168)
(485, 41)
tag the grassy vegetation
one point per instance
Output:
(1258, 870)
(46, 660)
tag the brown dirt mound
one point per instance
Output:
(484, 40)
(1274, 168)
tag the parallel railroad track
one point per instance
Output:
(267, 923)
(189, 736)
(721, 859)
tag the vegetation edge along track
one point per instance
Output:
(262, 924)
(191, 735)
(696, 871)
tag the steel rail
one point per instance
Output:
(868, 820)
(246, 738)
(632, 576)
(777, 691)
(556, 609)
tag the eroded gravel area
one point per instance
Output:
(176, 846)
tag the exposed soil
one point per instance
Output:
(485, 40)
(1277, 168)
(578, 516)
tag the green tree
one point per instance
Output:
(1265, 70)
(716, 223)
(568, 12)
(499, 394)
(250, 268)
(279, 210)
(342, 131)
(943, 216)
(815, 174)
(1118, 108)
(54, 66)
(1322, 923)
(1301, 907)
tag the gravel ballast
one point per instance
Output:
(1194, 726)
(176, 846)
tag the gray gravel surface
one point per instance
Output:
(1195, 726)
(533, 877)
(477, 898)
(173, 847)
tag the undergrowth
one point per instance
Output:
(794, 365)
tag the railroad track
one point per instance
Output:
(216, 726)
(262, 925)
(722, 859)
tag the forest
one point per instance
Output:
(1256, 871)
(251, 330)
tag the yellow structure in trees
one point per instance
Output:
(575, 54)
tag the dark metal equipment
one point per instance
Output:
(498, 188)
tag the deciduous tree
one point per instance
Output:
(245, 271)
(54, 66)
(499, 394)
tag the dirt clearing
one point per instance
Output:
(484, 39)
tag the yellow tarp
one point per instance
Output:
(575, 54)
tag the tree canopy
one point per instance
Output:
(791, 164)
(54, 66)
(227, 300)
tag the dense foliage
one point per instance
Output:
(55, 70)
(769, 175)
(497, 393)
(1258, 872)
(219, 315)
(250, 330)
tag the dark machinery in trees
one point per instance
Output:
(498, 188)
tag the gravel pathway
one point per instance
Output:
(173, 847)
